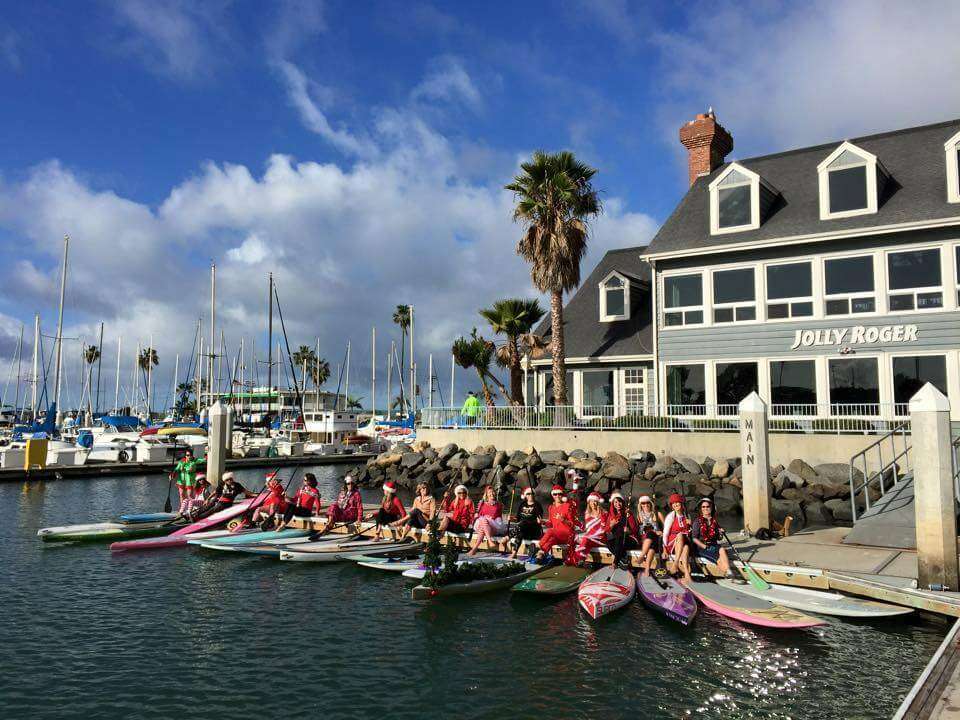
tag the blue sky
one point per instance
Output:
(359, 150)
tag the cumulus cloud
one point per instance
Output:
(253, 251)
(785, 74)
(10, 48)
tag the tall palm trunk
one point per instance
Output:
(557, 349)
(487, 395)
(516, 373)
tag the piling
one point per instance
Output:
(933, 485)
(217, 434)
(754, 457)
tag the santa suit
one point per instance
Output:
(562, 521)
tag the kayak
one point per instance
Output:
(388, 564)
(818, 601)
(606, 590)
(288, 535)
(557, 580)
(748, 609)
(147, 517)
(420, 572)
(334, 552)
(668, 597)
(422, 592)
(92, 532)
(167, 541)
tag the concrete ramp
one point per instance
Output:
(890, 521)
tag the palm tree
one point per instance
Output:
(555, 200)
(354, 403)
(321, 371)
(184, 405)
(90, 355)
(515, 318)
(401, 317)
(303, 359)
(148, 356)
(477, 352)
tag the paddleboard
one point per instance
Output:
(278, 536)
(101, 531)
(819, 601)
(321, 552)
(748, 609)
(420, 572)
(422, 592)
(668, 597)
(388, 564)
(606, 590)
(167, 541)
(147, 517)
(556, 580)
(269, 548)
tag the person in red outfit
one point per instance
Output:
(306, 503)
(390, 510)
(274, 508)
(594, 533)
(456, 515)
(622, 529)
(348, 508)
(561, 522)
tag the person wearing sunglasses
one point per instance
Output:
(676, 533)
(420, 515)
(705, 535)
(456, 515)
(526, 524)
(650, 523)
(561, 522)
(622, 530)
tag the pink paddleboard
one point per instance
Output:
(751, 610)
(223, 516)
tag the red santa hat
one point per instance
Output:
(557, 489)
(389, 486)
(595, 496)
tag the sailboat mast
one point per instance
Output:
(373, 370)
(63, 293)
(269, 340)
(16, 399)
(346, 389)
(116, 388)
(149, 378)
(430, 372)
(176, 377)
(413, 369)
(136, 380)
(213, 329)
(36, 367)
(316, 377)
(390, 377)
(243, 367)
(96, 408)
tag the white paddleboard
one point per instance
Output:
(818, 601)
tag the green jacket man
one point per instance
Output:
(471, 406)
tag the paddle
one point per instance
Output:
(168, 506)
(758, 582)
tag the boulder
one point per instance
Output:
(480, 462)
(500, 459)
(457, 461)
(447, 452)
(602, 486)
(643, 456)
(411, 460)
(726, 500)
(704, 489)
(553, 457)
(785, 480)
(793, 494)
(391, 459)
(817, 513)
(615, 467)
(518, 459)
(690, 465)
(665, 465)
(799, 467)
(707, 466)
(780, 509)
(587, 465)
(534, 461)
(577, 454)
(429, 454)
(688, 482)
(419, 446)
(650, 473)
(839, 509)
(837, 474)
(776, 470)
(721, 469)
(735, 481)
(433, 467)
(544, 486)
(551, 473)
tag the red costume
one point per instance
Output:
(276, 501)
(392, 506)
(461, 511)
(561, 521)
(308, 499)
(348, 508)
(594, 535)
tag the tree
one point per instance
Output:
(148, 357)
(555, 200)
(183, 405)
(354, 403)
(401, 317)
(90, 355)
(477, 352)
(515, 319)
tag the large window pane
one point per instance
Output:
(912, 373)
(548, 388)
(914, 269)
(734, 206)
(733, 286)
(788, 281)
(793, 382)
(855, 381)
(597, 391)
(683, 290)
(685, 385)
(849, 275)
(848, 189)
(614, 302)
(735, 381)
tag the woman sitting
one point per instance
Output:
(306, 503)
(676, 534)
(271, 513)
(594, 533)
(489, 522)
(422, 512)
(622, 530)
(705, 534)
(561, 522)
(526, 525)
(650, 523)
(390, 510)
(348, 508)
(457, 514)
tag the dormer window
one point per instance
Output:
(850, 182)
(952, 148)
(738, 200)
(614, 298)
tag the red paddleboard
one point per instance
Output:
(606, 590)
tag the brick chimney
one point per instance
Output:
(707, 144)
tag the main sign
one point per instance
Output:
(857, 335)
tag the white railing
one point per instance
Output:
(865, 419)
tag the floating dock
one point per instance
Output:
(98, 470)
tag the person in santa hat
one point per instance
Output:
(622, 530)
(306, 503)
(390, 510)
(456, 515)
(594, 533)
(270, 514)
(349, 505)
(676, 536)
(561, 522)
(489, 523)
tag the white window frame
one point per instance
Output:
(753, 181)
(708, 397)
(604, 315)
(684, 309)
(716, 386)
(876, 293)
(953, 172)
(768, 362)
(954, 250)
(913, 291)
(945, 354)
(627, 385)
(733, 305)
(812, 298)
(869, 161)
(883, 382)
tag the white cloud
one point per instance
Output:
(447, 81)
(295, 22)
(253, 251)
(782, 75)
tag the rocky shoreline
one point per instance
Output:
(812, 495)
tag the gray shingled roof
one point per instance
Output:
(585, 335)
(918, 191)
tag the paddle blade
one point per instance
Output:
(168, 506)
(751, 575)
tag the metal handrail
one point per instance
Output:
(900, 431)
(955, 455)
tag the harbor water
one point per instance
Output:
(188, 634)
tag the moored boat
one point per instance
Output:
(424, 592)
